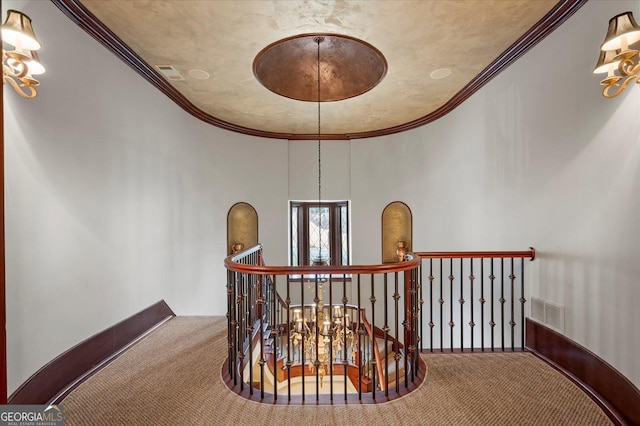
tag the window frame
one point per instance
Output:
(335, 234)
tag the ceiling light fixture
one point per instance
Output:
(440, 73)
(197, 74)
(615, 55)
(319, 333)
(20, 64)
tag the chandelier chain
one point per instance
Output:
(319, 40)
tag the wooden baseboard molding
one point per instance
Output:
(54, 381)
(617, 396)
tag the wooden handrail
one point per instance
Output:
(231, 264)
(531, 254)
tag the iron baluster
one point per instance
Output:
(316, 362)
(359, 342)
(431, 324)
(250, 331)
(492, 323)
(472, 324)
(386, 335)
(512, 323)
(419, 307)
(482, 301)
(345, 361)
(414, 323)
(303, 357)
(441, 301)
(241, 327)
(261, 361)
(451, 323)
(522, 302)
(275, 325)
(396, 343)
(407, 342)
(461, 300)
(502, 301)
(372, 357)
(331, 319)
(289, 361)
(230, 322)
(421, 301)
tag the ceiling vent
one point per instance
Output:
(170, 72)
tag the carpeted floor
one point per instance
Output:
(172, 377)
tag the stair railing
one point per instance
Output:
(434, 301)
(262, 300)
(473, 301)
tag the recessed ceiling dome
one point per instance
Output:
(348, 67)
(475, 39)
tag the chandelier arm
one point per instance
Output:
(19, 88)
(17, 69)
(620, 87)
(629, 67)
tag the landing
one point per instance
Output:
(173, 377)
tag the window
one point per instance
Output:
(319, 229)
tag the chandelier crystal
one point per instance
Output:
(324, 334)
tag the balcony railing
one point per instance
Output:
(473, 301)
(357, 331)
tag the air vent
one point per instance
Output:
(555, 316)
(170, 72)
(548, 313)
(537, 309)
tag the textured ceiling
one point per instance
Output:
(224, 37)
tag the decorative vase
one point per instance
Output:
(237, 248)
(401, 251)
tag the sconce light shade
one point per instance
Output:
(34, 64)
(18, 32)
(20, 64)
(608, 61)
(623, 31)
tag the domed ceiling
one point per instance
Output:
(206, 56)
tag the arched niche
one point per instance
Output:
(397, 225)
(242, 226)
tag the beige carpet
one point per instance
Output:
(173, 378)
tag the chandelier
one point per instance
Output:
(321, 336)
(20, 64)
(317, 334)
(621, 64)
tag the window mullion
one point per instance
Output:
(335, 259)
(303, 247)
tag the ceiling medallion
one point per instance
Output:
(348, 67)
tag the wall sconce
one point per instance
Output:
(20, 64)
(615, 55)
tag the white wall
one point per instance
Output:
(117, 198)
(303, 170)
(536, 158)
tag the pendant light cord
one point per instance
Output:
(319, 40)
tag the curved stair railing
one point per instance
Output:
(366, 344)
(357, 331)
